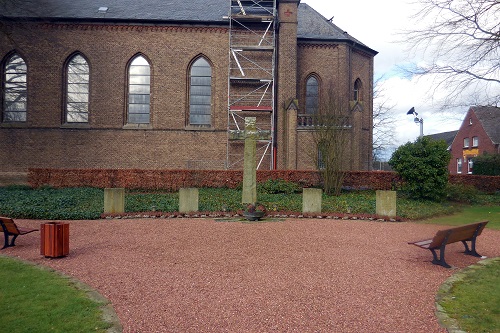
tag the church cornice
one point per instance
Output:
(131, 27)
(317, 45)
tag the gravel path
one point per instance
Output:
(297, 275)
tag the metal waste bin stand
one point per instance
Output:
(54, 241)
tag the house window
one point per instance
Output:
(470, 165)
(475, 141)
(357, 90)
(77, 90)
(312, 95)
(139, 91)
(466, 142)
(200, 93)
(15, 95)
(459, 165)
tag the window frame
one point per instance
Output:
(132, 86)
(466, 142)
(459, 165)
(68, 91)
(475, 141)
(357, 88)
(470, 165)
(200, 97)
(309, 97)
(15, 90)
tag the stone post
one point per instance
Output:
(386, 203)
(311, 200)
(249, 194)
(188, 200)
(114, 200)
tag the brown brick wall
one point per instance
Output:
(45, 142)
(287, 74)
(337, 67)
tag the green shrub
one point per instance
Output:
(462, 193)
(423, 166)
(487, 164)
(277, 186)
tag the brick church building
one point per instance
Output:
(156, 84)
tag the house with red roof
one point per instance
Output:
(478, 134)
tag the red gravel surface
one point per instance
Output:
(296, 275)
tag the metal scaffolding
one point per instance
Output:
(251, 78)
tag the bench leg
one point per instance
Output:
(13, 241)
(440, 261)
(6, 242)
(472, 250)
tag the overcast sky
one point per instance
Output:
(377, 24)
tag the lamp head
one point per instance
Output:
(412, 111)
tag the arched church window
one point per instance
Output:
(15, 94)
(77, 90)
(312, 95)
(139, 91)
(357, 90)
(200, 93)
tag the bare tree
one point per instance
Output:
(332, 129)
(461, 38)
(383, 122)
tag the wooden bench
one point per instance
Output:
(465, 233)
(11, 229)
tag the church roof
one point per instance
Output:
(135, 10)
(312, 26)
(315, 27)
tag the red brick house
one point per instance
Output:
(478, 134)
(156, 84)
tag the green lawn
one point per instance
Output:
(474, 302)
(32, 297)
(470, 215)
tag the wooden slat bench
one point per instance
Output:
(11, 229)
(465, 233)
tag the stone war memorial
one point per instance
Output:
(249, 194)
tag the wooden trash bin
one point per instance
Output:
(54, 239)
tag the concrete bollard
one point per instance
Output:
(311, 200)
(114, 200)
(188, 200)
(386, 203)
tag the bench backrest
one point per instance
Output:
(9, 225)
(457, 234)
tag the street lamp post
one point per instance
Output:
(417, 120)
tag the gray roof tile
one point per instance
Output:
(446, 136)
(311, 26)
(148, 10)
(489, 116)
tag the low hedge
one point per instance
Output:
(173, 180)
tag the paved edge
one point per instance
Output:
(109, 315)
(444, 292)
